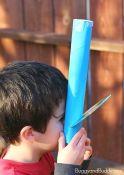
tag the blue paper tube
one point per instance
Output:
(78, 70)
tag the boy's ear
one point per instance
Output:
(27, 134)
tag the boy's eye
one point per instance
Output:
(60, 117)
(61, 120)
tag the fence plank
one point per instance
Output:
(60, 39)
(123, 89)
(64, 12)
(39, 18)
(35, 37)
(107, 45)
(9, 49)
(107, 76)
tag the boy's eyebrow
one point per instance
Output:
(59, 116)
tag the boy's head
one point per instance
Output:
(31, 94)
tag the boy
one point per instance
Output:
(32, 104)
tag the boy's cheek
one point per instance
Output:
(61, 127)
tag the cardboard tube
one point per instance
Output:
(78, 70)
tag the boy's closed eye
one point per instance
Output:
(60, 117)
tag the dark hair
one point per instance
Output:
(29, 93)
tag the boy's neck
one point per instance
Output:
(23, 153)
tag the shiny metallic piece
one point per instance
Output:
(92, 109)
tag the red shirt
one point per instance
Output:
(44, 167)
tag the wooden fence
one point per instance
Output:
(41, 29)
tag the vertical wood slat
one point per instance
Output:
(9, 49)
(65, 11)
(123, 87)
(107, 76)
(39, 18)
(62, 22)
